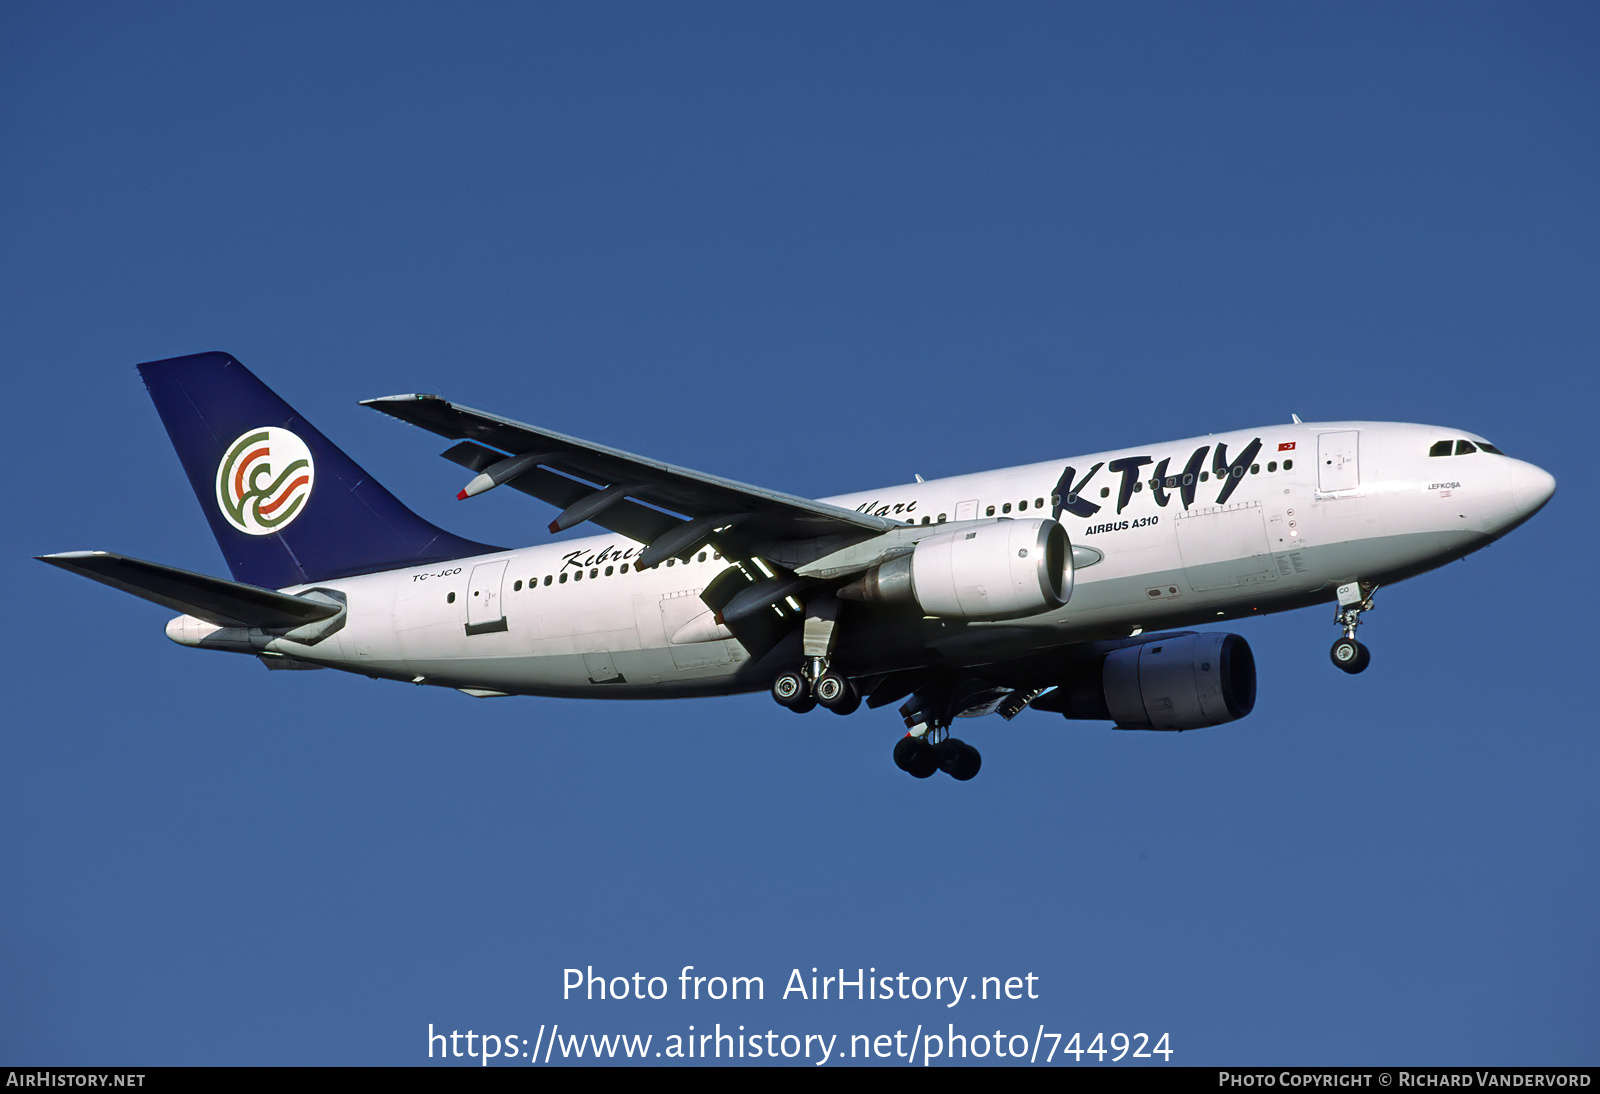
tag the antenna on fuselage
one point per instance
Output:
(1296, 419)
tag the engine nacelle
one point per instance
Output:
(1188, 681)
(1004, 570)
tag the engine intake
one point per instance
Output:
(1004, 570)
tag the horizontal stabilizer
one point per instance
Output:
(225, 603)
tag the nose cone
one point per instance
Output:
(1531, 488)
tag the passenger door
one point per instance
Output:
(485, 606)
(1337, 468)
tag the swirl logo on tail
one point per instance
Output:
(264, 480)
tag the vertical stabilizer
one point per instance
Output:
(286, 505)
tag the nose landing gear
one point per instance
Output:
(1354, 598)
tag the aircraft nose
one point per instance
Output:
(1531, 487)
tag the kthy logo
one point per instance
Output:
(264, 480)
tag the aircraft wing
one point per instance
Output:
(619, 490)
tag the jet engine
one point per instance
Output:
(1164, 681)
(1004, 570)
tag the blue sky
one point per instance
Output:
(821, 248)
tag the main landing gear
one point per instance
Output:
(816, 685)
(917, 757)
(1347, 653)
(927, 746)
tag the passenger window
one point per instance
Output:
(1440, 448)
(1105, 491)
(702, 556)
(1464, 447)
(989, 512)
(577, 575)
(624, 567)
(1272, 466)
(451, 599)
(1138, 485)
(517, 588)
(672, 562)
(1255, 469)
(941, 519)
(1038, 503)
(1006, 508)
(1022, 505)
(595, 572)
(1288, 465)
(926, 519)
(608, 571)
(563, 577)
(547, 579)
(1205, 476)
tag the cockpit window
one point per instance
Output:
(1462, 447)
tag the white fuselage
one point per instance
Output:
(1170, 544)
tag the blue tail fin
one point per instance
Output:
(287, 507)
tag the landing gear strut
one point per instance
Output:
(1347, 653)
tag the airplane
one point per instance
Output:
(1064, 586)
